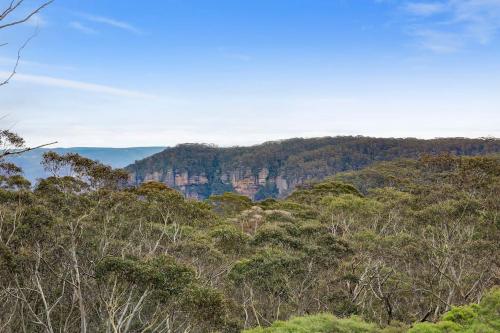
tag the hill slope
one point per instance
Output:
(274, 169)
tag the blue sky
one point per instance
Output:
(237, 72)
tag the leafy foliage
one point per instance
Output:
(483, 317)
(322, 323)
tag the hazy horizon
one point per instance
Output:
(260, 142)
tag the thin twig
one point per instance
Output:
(30, 15)
(17, 152)
(18, 59)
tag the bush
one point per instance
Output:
(321, 323)
(482, 318)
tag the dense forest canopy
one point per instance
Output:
(394, 244)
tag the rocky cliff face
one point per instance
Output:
(241, 180)
(274, 169)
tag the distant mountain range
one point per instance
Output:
(274, 169)
(115, 157)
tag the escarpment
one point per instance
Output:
(274, 169)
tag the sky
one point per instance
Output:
(109, 73)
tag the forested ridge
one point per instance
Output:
(273, 169)
(394, 247)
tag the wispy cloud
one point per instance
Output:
(425, 8)
(438, 41)
(10, 62)
(83, 28)
(37, 20)
(450, 25)
(112, 23)
(239, 56)
(78, 85)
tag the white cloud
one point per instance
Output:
(234, 55)
(112, 23)
(10, 62)
(237, 56)
(77, 85)
(480, 18)
(82, 28)
(439, 42)
(424, 8)
(450, 25)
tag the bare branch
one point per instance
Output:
(14, 4)
(26, 18)
(18, 59)
(10, 9)
(17, 152)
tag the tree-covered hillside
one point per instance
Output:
(274, 169)
(402, 244)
